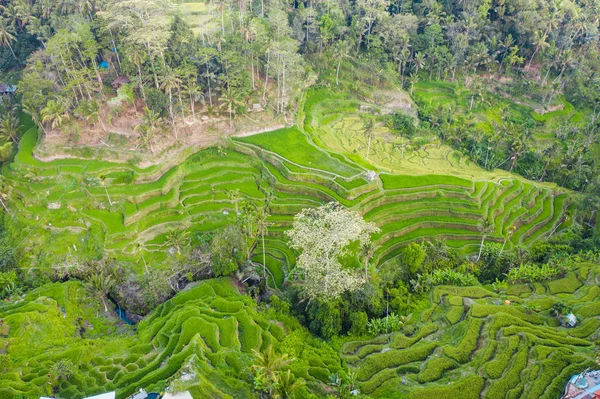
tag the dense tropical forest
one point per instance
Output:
(267, 199)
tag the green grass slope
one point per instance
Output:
(63, 206)
(484, 347)
(211, 327)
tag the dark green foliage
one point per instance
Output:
(403, 124)
(157, 101)
(228, 249)
(324, 318)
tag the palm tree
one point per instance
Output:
(413, 79)
(286, 386)
(54, 113)
(103, 179)
(267, 364)
(367, 250)
(209, 76)
(137, 57)
(368, 124)
(484, 227)
(509, 232)
(99, 285)
(419, 62)
(177, 239)
(341, 49)
(147, 129)
(10, 127)
(7, 35)
(262, 228)
(195, 93)
(229, 101)
(169, 81)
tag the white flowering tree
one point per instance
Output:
(324, 236)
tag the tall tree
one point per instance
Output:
(323, 236)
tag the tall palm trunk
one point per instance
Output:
(480, 248)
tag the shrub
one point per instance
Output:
(435, 368)
(385, 325)
(468, 388)
(157, 101)
(454, 315)
(500, 388)
(586, 329)
(393, 358)
(530, 273)
(496, 367)
(462, 353)
(358, 323)
(569, 285)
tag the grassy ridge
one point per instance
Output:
(508, 350)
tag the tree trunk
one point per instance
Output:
(264, 254)
(107, 196)
(4, 205)
(193, 110)
(141, 82)
(337, 72)
(11, 50)
(104, 303)
(480, 248)
(171, 106)
(266, 76)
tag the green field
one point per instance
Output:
(60, 201)
(509, 351)
(211, 327)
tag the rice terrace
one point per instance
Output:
(263, 199)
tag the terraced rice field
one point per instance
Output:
(211, 326)
(72, 206)
(508, 351)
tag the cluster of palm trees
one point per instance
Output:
(272, 377)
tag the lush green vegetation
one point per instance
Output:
(298, 200)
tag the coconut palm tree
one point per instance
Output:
(7, 35)
(286, 385)
(229, 102)
(103, 179)
(262, 229)
(177, 239)
(55, 113)
(195, 93)
(266, 365)
(137, 57)
(169, 81)
(10, 127)
(368, 124)
(484, 227)
(367, 250)
(148, 128)
(341, 50)
(99, 285)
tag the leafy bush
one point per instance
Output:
(496, 367)
(385, 325)
(468, 388)
(393, 358)
(435, 368)
(454, 314)
(511, 379)
(568, 285)
(462, 353)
